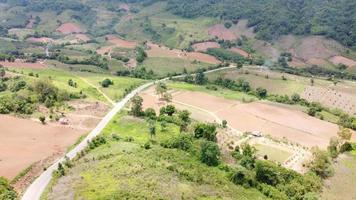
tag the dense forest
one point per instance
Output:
(273, 18)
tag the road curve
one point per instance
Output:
(35, 190)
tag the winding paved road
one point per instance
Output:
(35, 190)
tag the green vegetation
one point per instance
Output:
(6, 191)
(220, 92)
(283, 17)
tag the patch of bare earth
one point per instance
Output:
(317, 61)
(343, 60)
(271, 119)
(331, 97)
(266, 49)
(40, 40)
(317, 47)
(118, 42)
(20, 146)
(68, 28)
(30, 23)
(232, 33)
(240, 51)
(82, 37)
(221, 32)
(203, 46)
(161, 51)
(22, 64)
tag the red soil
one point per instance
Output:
(221, 32)
(30, 24)
(82, 37)
(331, 97)
(40, 40)
(20, 146)
(203, 46)
(342, 60)
(68, 28)
(276, 120)
(157, 51)
(240, 51)
(118, 42)
(20, 64)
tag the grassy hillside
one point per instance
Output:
(121, 169)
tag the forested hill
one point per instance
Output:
(272, 18)
(335, 19)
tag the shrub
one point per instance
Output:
(207, 131)
(42, 119)
(6, 190)
(150, 113)
(244, 177)
(210, 153)
(183, 142)
(106, 83)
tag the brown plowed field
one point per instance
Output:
(331, 97)
(24, 142)
(277, 120)
(118, 42)
(20, 64)
(342, 60)
(40, 40)
(221, 32)
(159, 51)
(68, 28)
(203, 46)
(240, 51)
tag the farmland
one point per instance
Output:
(274, 120)
(271, 119)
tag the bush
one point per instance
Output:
(6, 190)
(42, 119)
(183, 142)
(106, 83)
(244, 177)
(206, 131)
(210, 153)
(150, 113)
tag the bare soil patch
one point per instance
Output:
(317, 47)
(40, 40)
(240, 51)
(317, 61)
(234, 32)
(30, 23)
(331, 97)
(342, 60)
(20, 146)
(118, 42)
(221, 32)
(266, 49)
(277, 120)
(203, 46)
(20, 63)
(160, 51)
(68, 28)
(82, 37)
